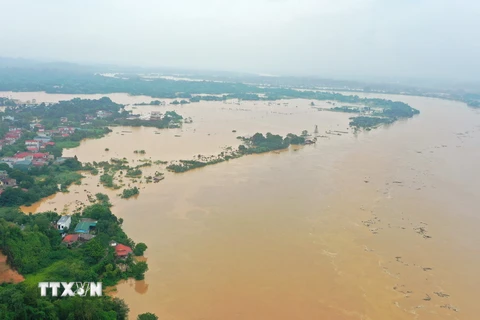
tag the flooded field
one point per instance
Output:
(379, 225)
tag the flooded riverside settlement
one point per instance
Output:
(379, 224)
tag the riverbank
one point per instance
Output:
(335, 215)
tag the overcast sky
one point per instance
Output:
(326, 38)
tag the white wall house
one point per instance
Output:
(64, 222)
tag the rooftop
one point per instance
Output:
(84, 225)
(122, 250)
(63, 219)
(70, 238)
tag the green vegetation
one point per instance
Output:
(133, 173)
(147, 316)
(37, 252)
(369, 122)
(103, 199)
(140, 249)
(175, 102)
(379, 112)
(107, 180)
(151, 103)
(40, 182)
(170, 119)
(346, 109)
(128, 193)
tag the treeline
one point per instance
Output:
(62, 81)
(56, 81)
(74, 110)
(369, 122)
(34, 248)
(258, 143)
(170, 119)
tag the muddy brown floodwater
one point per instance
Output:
(379, 225)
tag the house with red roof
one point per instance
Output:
(122, 251)
(23, 156)
(70, 239)
(40, 155)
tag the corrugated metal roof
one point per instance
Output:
(63, 219)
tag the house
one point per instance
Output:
(8, 118)
(63, 119)
(32, 143)
(70, 239)
(122, 251)
(103, 114)
(66, 130)
(40, 155)
(44, 145)
(22, 164)
(39, 162)
(36, 126)
(8, 182)
(64, 223)
(155, 115)
(42, 139)
(23, 156)
(85, 225)
(3, 174)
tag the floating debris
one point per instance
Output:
(450, 307)
(442, 294)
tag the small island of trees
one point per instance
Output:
(258, 143)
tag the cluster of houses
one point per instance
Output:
(100, 114)
(10, 137)
(84, 232)
(63, 131)
(24, 160)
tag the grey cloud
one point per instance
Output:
(335, 38)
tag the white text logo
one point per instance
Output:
(70, 289)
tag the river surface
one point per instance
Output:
(378, 225)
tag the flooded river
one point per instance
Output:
(379, 225)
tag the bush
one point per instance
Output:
(140, 249)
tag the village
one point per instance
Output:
(84, 231)
(32, 153)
